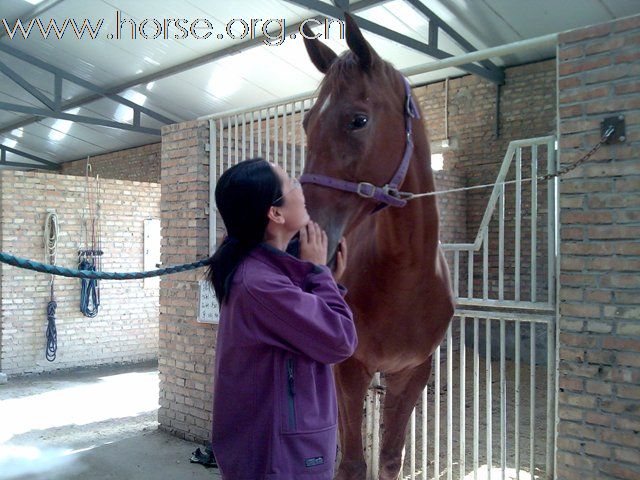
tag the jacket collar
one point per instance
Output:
(297, 270)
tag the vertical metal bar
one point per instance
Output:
(213, 170)
(436, 406)
(550, 228)
(485, 264)
(276, 132)
(285, 140)
(369, 426)
(456, 273)
(489, 405)
(518, 187)
(229, 142)
(425, 436)
(551, 286)
(550, 397)
(244, 137)
(413, 445)
(449, 402)
(463, 392)
(260, 132)
(268, 135)
(221, 155)
(517, 400)
(252, 153)
(470, 276)
(534, 221)
(501, 244)
(532, 401)
(294, 128)
(476, 397)
(503, 401)
(303, 139)
(235, 138)
(376, 427)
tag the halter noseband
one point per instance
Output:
(388, 195)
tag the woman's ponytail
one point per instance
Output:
(244, 194)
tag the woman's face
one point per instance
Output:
(293, 207)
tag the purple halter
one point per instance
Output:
(388, 194)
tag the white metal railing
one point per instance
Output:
(497, 199)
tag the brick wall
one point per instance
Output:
(186, 346)
(599, 370)
(140, 164)
(126, 328)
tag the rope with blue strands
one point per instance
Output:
(69, 272)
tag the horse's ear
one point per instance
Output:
(357, 43)
(321, 55)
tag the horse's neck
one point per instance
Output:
(411, 232)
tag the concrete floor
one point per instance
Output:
(98, 423)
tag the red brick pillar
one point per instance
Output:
(186, 346)
(599, 368)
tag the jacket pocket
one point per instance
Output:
(291, 391)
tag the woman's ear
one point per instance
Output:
(275, 215)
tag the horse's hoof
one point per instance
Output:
(352, 471)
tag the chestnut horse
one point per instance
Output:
(364, 130)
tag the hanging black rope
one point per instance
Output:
(89, 296)
(52, 333)
(51, 231)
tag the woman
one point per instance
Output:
(283, 322)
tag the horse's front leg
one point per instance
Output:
(352, 381)
(402, 392)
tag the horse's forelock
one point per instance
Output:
(347, 67)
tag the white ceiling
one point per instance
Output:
(258, 75)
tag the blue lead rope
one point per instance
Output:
(69, 272)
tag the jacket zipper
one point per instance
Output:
(290, 393)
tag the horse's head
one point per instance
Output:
(355, 130)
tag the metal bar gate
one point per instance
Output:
(489, 411)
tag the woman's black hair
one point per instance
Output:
(244, 195)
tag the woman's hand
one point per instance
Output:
(341, 259)
(313, 244)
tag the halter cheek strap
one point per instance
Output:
(387, 195)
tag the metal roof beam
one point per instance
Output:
(435, 23)
(41, 112)
(196, 62)
(60, 75)
(42, 163)
(428, 49)
(24, 83)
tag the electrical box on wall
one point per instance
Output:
(208, 310)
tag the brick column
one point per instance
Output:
(599, 369)
(186, 346)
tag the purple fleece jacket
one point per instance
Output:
(274, 408)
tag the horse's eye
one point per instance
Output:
(358, 122)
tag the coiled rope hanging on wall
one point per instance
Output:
(51, 232)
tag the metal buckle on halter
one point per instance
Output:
(360, 192)
(391, 191)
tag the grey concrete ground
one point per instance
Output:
(90, 424)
